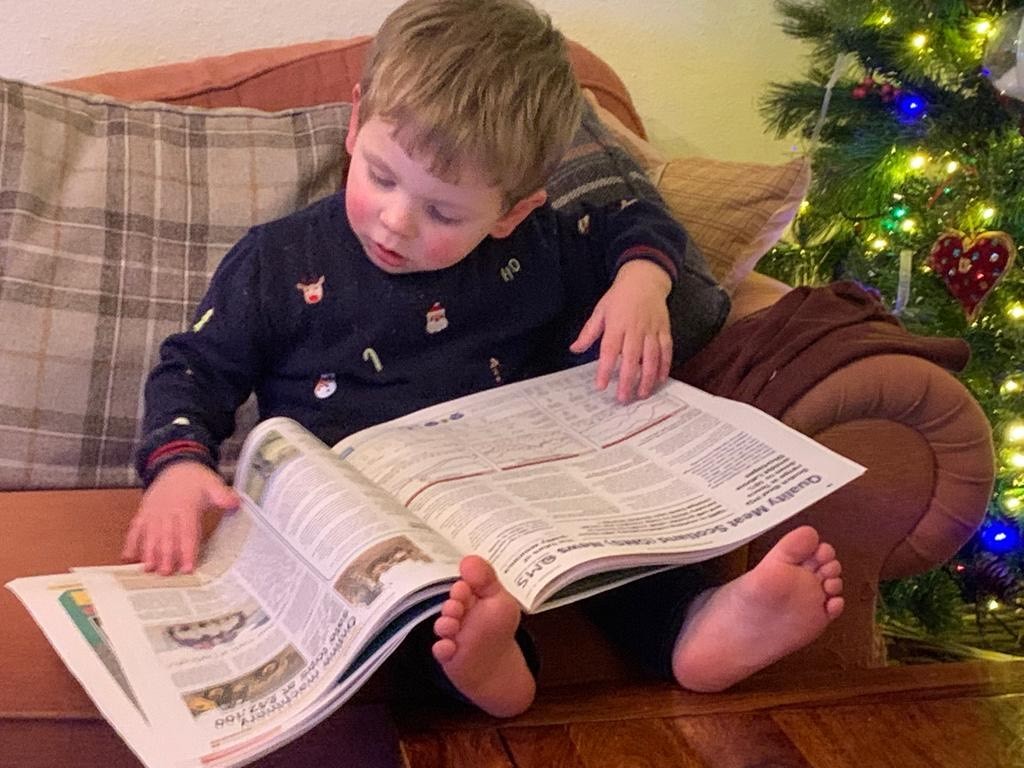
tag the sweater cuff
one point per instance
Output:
(648, 253)
(171, 453)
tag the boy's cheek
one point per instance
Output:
(443, 251)
(358, 208)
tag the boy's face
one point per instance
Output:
(408, 220)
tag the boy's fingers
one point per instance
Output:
(223, 497)
(130, 550)
(610, 348)
(166, 553)
(629, 369)
(588, 334)
(188, 542)
(651, 367)
(666, 356)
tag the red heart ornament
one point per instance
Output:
(971, 267)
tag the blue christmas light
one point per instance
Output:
(1000, 537)
(911, 107)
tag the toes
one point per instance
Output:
(461, 592)
(834, 607)
(479, 575)
(447, 627)
(830, 570)
(797, 546)
(456, 609)
(444, 650)
(832, 587)
(825, 553)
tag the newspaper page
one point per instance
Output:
(551, 480)
(282, 619)
(65, 613)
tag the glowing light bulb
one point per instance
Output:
(993, 605)
(1017, 460)
(988, 212)
(917, 162)
(1011, 503)
(1010, 387)
(952, 166)
(919, 41)
(908, 225)
(879, 243)
(1016, 311)
(983, 27)
(1015, 432)
(804, 205)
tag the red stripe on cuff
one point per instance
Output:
(175, 447)
(651, 254)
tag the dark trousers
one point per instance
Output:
(643, 618)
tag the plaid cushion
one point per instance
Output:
(112, 219)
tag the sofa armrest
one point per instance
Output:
(959, 468)
(755, 292)
(927, 448)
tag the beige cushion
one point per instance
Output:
(735, 212)
(112, 218)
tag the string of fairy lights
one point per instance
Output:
(934, 187)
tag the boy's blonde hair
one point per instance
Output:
(481, 82)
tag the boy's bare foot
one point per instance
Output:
(477, 647)
(782, 604)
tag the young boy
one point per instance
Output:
(440, 271)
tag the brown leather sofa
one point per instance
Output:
(925, 442)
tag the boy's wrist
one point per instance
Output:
(648, 271)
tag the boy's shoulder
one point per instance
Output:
(325, 207)
(298, 241)
(319, 210)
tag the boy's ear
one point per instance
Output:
(504, 226)
(353, 121)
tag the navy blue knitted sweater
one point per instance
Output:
(299, 315)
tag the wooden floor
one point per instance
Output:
(952, 715)
(955, 715)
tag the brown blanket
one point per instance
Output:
(773, 357)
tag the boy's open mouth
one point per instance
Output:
(386, 255)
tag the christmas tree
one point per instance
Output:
(912, 114)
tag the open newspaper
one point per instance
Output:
(337, 553)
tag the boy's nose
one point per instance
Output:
(399, 219)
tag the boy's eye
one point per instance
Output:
(440, 218)
(380, 181)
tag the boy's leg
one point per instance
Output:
(707, 638)
(477, 646)
(643, 618)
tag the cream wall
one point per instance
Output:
(695, 68)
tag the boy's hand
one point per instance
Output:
(632, 321)
(164, 534)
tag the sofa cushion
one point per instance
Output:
(734, 211)
(112, 218)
